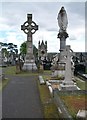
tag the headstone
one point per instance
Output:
(29, 27)
(68, 84)
(82, 114)
(17, 66)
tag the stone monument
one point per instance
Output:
(29, 27)
(68, 84)
(62, 35)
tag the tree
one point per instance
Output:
(23, 50)
(9, 51)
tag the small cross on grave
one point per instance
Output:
(29, 27)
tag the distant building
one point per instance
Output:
(42, 50)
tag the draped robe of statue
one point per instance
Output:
(62, 20)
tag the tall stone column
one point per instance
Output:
(62, 35)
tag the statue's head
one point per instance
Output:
(62, 8)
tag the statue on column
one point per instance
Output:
(62, 22)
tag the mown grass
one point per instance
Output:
(74, 103)
(4, 83)
(81, 84)
(49, 108)
(12, 71)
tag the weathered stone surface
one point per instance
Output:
(68, 84)
(29, 28)
(82, 114)
(41, 80)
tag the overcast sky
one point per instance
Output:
(14, 14)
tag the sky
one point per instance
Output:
(44, 14)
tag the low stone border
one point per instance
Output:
(41, 80)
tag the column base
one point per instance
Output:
(68, 86)
(29, 67)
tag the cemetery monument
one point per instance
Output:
(62, 35)
(68, 84)
(29, 27)
(65, 52)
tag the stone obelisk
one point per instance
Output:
(29, 27)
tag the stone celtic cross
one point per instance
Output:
(29, 27)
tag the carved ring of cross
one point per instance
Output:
(29, 27)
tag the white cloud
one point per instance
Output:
(45, 1)
(45, 15)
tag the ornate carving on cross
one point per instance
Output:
(68, 53)
(29, 27)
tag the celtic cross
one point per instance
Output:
(29, 27)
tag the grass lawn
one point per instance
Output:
(49, 108)
(74, 103)
(3, 83)
(81, 84)
(12, 71)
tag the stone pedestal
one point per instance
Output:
(61, 63)
(31, 66)
(58, 73)
(68, 87)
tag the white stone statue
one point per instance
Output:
(62, 20)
